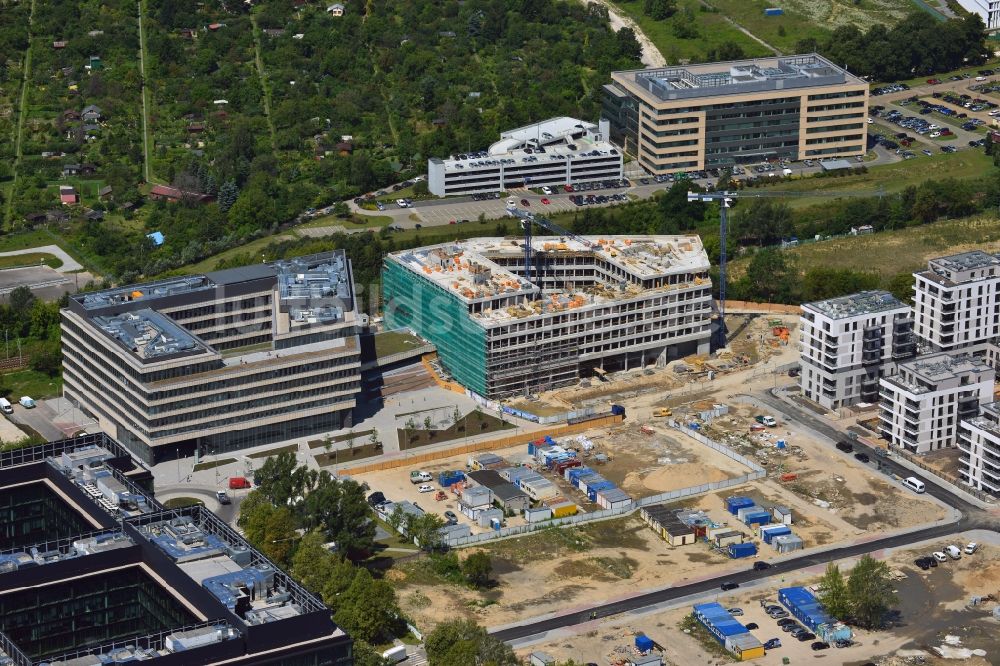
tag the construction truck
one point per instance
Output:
(663, 411)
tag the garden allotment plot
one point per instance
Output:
(13, 43)
(82, 102)
(203, 83)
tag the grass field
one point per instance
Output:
(395, 342)
(890, 252)
(890, 178)
(712, 30)
(30, 259)
(31, 383)
(359, 221)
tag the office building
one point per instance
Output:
(921, 405)
(848, 343)
(556, 152)
(95, 571)
(697, 117)
(217, 362)
(988, 10)
(956, 303)
(979, 440)
(592, 305)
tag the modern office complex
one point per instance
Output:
(956, 302)
(220, 361)
(979, 440)
(848, 343)
(592, 305)
(94, 571)
(555, 152)
(923, 403)
(988, 10)
(696, 117)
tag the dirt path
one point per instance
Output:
(651, 56)
(743, 30)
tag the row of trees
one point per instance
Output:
(865, 598)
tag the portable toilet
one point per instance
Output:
(643, 643)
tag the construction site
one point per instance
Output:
(516, 317)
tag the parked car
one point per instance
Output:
(451, 517)
(752, 625)
(772, 643)
(769, 421)
(736, 612)
(953, 552)
(939, 556)
(222, 497)
(820, 645)
(844, 643)
(26, 402)
(862, 457)
(376, 498)
(787, 621)
(797, 630)
(846, 447)
(729, 586)
(971, 548)
(808, 636)
(525, 203)
(426, 488)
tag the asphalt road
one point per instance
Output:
(973, 517)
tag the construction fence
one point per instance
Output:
(757, 472)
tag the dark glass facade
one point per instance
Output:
(33, 513)
(744, 132)
(70, 614)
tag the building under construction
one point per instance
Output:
(592, 305)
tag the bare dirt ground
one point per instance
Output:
(932, 605)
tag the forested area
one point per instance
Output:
(917, 46)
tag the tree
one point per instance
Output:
(834, 597)
(901, 286)
(368, 609)
(340, 209)
(477, 568)
(228, 194)
(337, 508)
(462, 642)
(320, 571)
(272, 531)
(427, 423)
(871, 592)
(425, 530)
(366, 655)
(658, 10)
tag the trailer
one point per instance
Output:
(741, 550)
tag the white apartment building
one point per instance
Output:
(979, 440)
(555, 152)
(956, 303)
(848, 343)
(988, 10)
(922, 404)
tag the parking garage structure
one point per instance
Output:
(217, 362)
(555, 152)
(113, 577)
(593, 305)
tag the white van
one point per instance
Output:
(26, 402)
(953, 552)
(5, 406)
(914, 484)
(396, 654)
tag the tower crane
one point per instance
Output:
(725, 199)
(527, 219)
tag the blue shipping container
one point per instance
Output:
(446, 479)
(643, 643)
(734, 504)
(739, 550)
(769, 533)
(757, 518)
(774, 11)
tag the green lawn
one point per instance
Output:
(254, 246)
(372, 221)
(992, 63)
(395, 342)
(222, 462)
(273, 452)
(181, 502)
(889, 177)
(31, 383)
(30, 259)
(712, 30)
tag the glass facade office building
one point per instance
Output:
(677, 119)
(217, 362)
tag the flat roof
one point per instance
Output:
(552, 129)
(942, 366)
(149, 334)
(738, 77)
(861, 303)
(467, 269)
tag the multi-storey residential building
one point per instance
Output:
(696, 117)
(220, 361)
(921, 405)
(93, 570)
(979, 440)
(592, 305)
(847, 344)
(956, 302)
(556, 152)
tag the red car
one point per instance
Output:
(546, 201)
(568, 188)
(933, 82)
